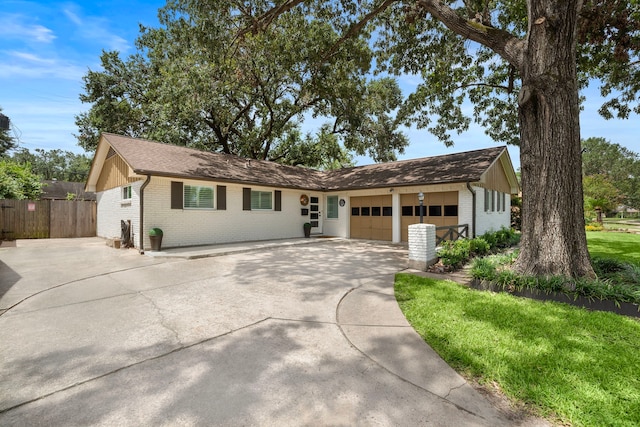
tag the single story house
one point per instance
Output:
(201, 198)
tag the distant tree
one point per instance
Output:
(18, 182)
(196, 81)
(600, 193)
(55, 164)
(613, 164)
(7, 142)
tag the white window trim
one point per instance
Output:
(126, 201)
(272, 198)
(189, 208)
(337, 217)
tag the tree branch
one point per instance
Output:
(355, 28)
(506, 45)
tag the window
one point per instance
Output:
(435, 210)
(451, 210)
(487, 200)
(365, 211)
(498, 202)
(504, 202)
(424, 210)
(261, 200)
(198, 197)
(332, 207)
(387, 211)
(126, 192)
(355, 211)
(407, 211)
(376, 210)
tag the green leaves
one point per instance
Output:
(209, 79)
(18, 182)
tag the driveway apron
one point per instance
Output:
(293, 335)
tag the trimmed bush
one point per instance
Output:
(455, 254)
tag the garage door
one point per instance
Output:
(439, 209)
(371, 218)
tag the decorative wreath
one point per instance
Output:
(304, 200)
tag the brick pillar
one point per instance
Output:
(422, 246)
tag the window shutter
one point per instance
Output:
(278, 201)
(222, 197)
(246, 199)
(176, 195)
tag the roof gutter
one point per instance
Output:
(473, 210)
(144, 185)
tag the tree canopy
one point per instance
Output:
(613, 173)
(197, 81)
(7, 142)
(18, 182)
(54, 164)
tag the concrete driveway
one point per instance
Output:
(285, 335)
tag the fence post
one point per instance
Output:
(422, 246)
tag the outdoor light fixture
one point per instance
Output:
(421, 199)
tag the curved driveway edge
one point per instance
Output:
(294, 335)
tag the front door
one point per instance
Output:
(315, 212)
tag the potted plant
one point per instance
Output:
(155, 236)
(307, 229)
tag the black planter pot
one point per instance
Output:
(156, 243)
(307, 230)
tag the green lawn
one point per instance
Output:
(573, 365)
(621, 246)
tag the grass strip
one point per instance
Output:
(573, 365)
(623, 247)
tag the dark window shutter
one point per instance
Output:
(246, 199)
(176, 195)
(222, 197)
(278, 201)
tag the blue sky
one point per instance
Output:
(48, 46)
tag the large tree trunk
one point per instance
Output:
(553, 236)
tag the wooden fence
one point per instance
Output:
(452, 232)
(41, 219)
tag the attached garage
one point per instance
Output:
(439, 209)
(371, 218)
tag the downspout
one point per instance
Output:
(473, 210)
(144, 185)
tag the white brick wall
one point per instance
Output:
(189, 227)
(491, 221)
(422, 246)
(111, 209)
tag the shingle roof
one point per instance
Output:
(449, 168)
(153, 158)
(58, 190)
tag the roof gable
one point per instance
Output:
(146, 157)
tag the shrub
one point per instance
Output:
(455, 254)
(594, 226)
(478, 247)
(617, 281)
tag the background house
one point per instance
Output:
(200, 198)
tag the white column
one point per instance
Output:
(422, 246)
(396, 219)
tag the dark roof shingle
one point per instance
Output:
(152, 158)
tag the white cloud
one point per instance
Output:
(96, 28)
(12, 26)
(25, 65)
